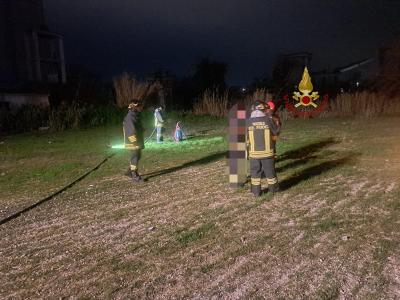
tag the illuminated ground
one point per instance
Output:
(332, 233)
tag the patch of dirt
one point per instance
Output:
(356, 187)
(390, 187)
(392, 272)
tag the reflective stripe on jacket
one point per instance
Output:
(260, 132)
(133, 131)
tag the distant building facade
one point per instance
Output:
(29, 52)
(289, 69)
(388, 77)
(13, 101)
(349, 78)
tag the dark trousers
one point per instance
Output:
(257, 167)
(135, 157)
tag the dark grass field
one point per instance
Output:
(332, 233)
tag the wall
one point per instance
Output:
(17, 100)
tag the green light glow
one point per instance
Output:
(193, 142)
(169, 144)
(122, 146)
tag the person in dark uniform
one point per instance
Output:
(133, 137)
(261, 130)
(270, 111)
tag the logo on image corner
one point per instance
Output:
(306, 101)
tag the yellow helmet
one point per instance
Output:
(134, 104)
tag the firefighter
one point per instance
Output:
(261, 128)
(270, 111)
(133, 137)
(159, 124)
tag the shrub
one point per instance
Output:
(26, 118)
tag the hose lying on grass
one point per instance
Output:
(26, 209)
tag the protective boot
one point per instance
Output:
(273, 188)
(128, 172)
(256, 190)
(136, 177)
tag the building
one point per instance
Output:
(347, 78)
(11, 102)
(29, 51)
(388, 79)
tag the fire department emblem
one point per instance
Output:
(305, 96)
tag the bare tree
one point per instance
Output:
(127, 87)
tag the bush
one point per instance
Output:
(26, 118)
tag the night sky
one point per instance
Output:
(140, 36)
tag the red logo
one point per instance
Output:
(306, 112)
(306, 98)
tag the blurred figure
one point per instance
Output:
(260, 129)
(270, 111)
(178, 134)
(238, 159)
(159, 124)
(133, 137)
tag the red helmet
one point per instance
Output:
(271, 105)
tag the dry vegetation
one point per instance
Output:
(361, 104)
(365, 104)
(127, 87)
(213, 103)
(258, 94)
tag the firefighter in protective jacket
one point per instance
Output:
(133, 137)
(262, 131)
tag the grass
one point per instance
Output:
(186, 237)
(49, 161)
(331, 233)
